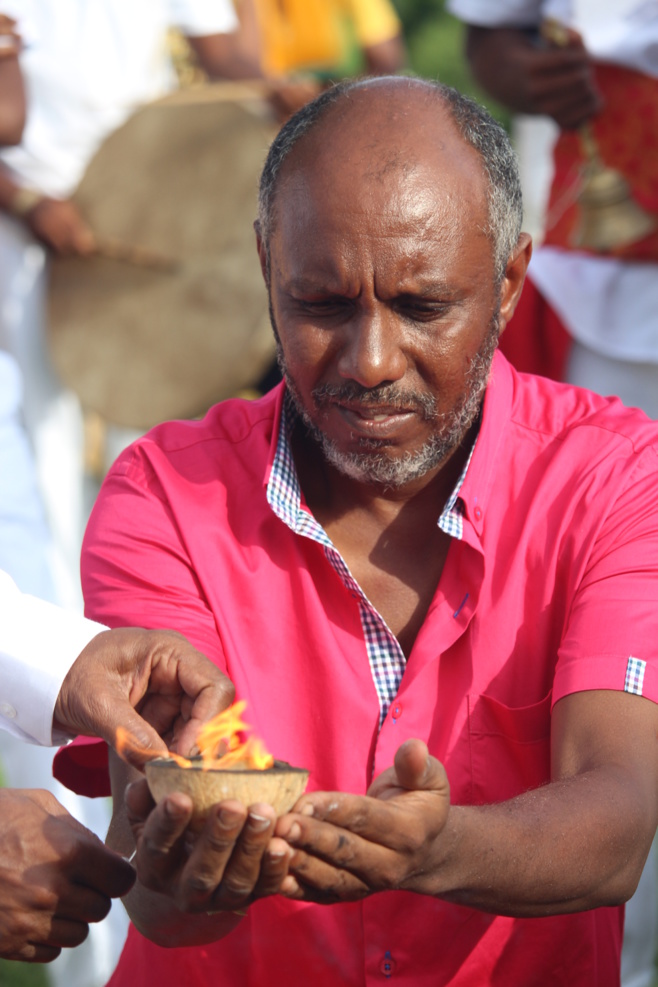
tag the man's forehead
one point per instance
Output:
(376, 138)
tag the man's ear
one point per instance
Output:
(262, 252)
(515, 272)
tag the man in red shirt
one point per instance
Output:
(434, 581)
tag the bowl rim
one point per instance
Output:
(279, 767)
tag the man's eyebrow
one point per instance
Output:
(431, 289)
(310, 285)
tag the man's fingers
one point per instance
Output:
(139, 803)
(144, 739)
(161, 843)
(416, 770)
(243, 870)
(104, 871)
(66, 934)
(160, 672)
(30, 952)
(205, 868)
(352, 849)
(84, 904)
(274, 868)
(209, 695)
(311, 879)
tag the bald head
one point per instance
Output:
(382, 129)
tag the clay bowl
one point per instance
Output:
(279, 786)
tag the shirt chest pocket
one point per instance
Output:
(509, 748)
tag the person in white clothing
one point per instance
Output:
(608, 303)
(61, 675)
(86, 68)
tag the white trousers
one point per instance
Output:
(51, 413)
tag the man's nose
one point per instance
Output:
(371, 353)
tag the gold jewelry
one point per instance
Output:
(24, 201)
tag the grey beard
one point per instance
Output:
(373, 464)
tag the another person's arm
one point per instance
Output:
(62, 673)
(12, 95)
(529, 76)
(55, 877)
(227, 56)
(379, 33)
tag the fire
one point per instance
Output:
(220, 745)
(218, 741)
(125, 743)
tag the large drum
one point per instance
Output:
(170, 315)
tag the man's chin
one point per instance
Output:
(381, 468)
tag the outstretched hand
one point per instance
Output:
(349, 846)
(152, 683)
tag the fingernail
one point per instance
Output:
(258, 823)
(306, 810)
(294, 833)
(173, 810)
(228, 819)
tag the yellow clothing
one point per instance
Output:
(321, 35)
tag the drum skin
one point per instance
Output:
(177, 319)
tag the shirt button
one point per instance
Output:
(478, 513)
(387, 965)
(396, 711)
(8, 711)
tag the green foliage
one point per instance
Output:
(13, 974)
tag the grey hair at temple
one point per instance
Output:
(477, 128)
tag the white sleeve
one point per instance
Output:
(502, 13)
(38, 644)
(199, 18)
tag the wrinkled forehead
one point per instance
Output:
(383, 144)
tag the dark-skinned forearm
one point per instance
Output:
(569, 846)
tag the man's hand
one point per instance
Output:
(55, 877)
(535, 78)
(152, 683)
(10, 42)
(349, 846)
(59, 225)
(233, 861)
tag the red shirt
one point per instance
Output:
(552, 589)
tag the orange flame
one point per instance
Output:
(220, 745)
(125, 742)
(218, 742)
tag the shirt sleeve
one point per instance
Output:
(200, 18)
(611, 637)
(136, 571)
(502, 13)
(375, 21)
(38, 644)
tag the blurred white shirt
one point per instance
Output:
(38, 644)
(87, 65)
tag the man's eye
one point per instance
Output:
(323, 306)
(423, 311)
